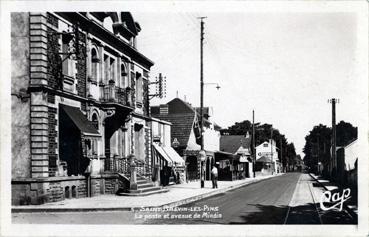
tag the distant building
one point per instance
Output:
(186, 134)
(163, 154)
(347, 161)
(267, 158)
(235, 156)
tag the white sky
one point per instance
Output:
(284, 65)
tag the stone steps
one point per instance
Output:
(144, 188)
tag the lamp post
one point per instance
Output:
(201, 153)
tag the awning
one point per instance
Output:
(221, 155)
(160, 150)
(82, 123)
(173, 155)
(264, 159)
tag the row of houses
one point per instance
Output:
(82, 124)
(232, 154)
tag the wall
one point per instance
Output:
(211, 140)
(21, 161)
(261, 150)
(28, 191)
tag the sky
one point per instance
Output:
(283, 65)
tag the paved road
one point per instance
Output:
(285, 199)
(265, 202)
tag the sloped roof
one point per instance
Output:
(231, 143)
(264, 159)
(182, 125)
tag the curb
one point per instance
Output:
(347, 208)
(168, 205)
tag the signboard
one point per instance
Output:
(243, 159)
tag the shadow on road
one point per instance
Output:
(303, 214)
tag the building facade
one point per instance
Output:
(235, 161)
(165, 159)
(267, 161)
(80, 104)
(186, 135)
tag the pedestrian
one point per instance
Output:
(214, 176)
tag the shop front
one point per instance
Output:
(232, 167)
(168, 164)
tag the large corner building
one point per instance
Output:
(80, 104)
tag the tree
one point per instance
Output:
(317, 146)
(319, 140)
(346, 133)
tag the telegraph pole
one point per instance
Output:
(281, 159)
(271, 148)
(201, 97)
(333, 170)
(253, 142)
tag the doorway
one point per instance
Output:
(70, 146)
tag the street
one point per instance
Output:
(285, 199)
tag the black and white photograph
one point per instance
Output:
(184, 118)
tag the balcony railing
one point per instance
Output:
(112, 93)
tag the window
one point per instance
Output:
(265, 145)
(68, 62)
(123, 76)
(112, 70)
(95, 121)
(106, 68)
(94, 65)
(139, 89)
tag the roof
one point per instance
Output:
(264, 159)
(231, 143)
(182, 125)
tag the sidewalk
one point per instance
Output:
(329, 186)
(178, 195)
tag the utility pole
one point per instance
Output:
(253, 142)
(271, 148)
(333, 162)
(201, 97)
(281, 153)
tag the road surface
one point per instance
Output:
(285, 199)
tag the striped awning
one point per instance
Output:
(162, 153)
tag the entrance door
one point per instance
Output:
(208, 169)
(70, 148)
(192, 167)
(247, 169)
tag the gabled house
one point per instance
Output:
(267, 161)
(186, 134)
(235, 152)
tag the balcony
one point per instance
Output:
(114, 94)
